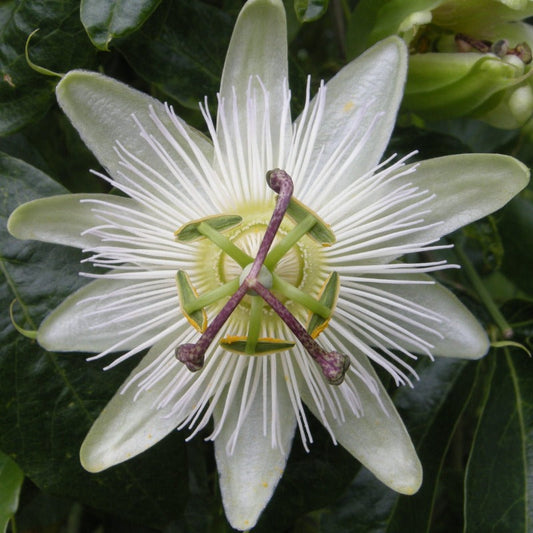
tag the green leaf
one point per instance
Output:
(373, 20)
(11, 478)
(498, 493)
(457, 391)
(309, 10)
(516, 229)
(360, 25)
(49, 401)
(105, 20)
(178, 51)
(60, 153)
(475, 136)
(60, 44)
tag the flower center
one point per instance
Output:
(245, 260)
(248, 237)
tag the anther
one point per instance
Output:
(333, 364)
(192, 355)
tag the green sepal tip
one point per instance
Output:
(190, 232)
(320, 231)
(187, 295)
(32, 65)
(29, 333)
(327, 296)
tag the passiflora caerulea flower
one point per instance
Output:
(260, 267)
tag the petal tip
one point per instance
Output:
(70, 77)
(245, 496)
(49, 337)
(14, 227)
(398, 45)
(407, 480)
(482, 347)
(91, 458)
(278, 4)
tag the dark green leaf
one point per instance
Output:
(60, 45)
(178, 51)
(105, 20)
(373, 20)
(498, 484)
(360, 26)
(427, 143)
(516, 229)
(11, 478)
(309, 10)
(39, 511)
(60, 152)
(48, 400)
(475, 135)
(67, 157)
(457, 384)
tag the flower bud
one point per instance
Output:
(485, 86)
(468, 57)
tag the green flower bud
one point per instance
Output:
(468, 57)
(484, 86)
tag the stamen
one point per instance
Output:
(333, 364)
(288, 242)
(253, 280)
(210, 228)
(297, 295)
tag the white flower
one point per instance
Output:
(173, 176)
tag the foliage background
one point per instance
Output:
(472, 423)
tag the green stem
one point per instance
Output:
(293, 293)
(285, 244)
(225, 244)
(483, 293)
(213, 296)
(346, 10)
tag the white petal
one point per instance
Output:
(86, 321)
(254, 120)
(102, 110)
(250, 473)
(361, 105)
(378, 437)
(129, 425)
(467, 187)
(61, 219)
(258, 48)
(461, 335)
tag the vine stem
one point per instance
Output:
(483, 293)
